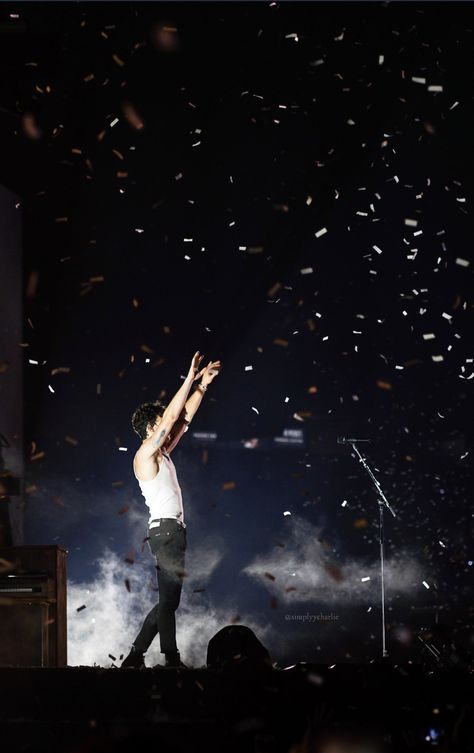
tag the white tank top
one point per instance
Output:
(163, 493)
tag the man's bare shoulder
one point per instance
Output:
(146, 466)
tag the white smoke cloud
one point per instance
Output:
(305, 570)
(113, 615)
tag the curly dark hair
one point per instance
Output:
(145, 414)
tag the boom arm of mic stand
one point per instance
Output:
(381, 496)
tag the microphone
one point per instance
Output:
(348, 440)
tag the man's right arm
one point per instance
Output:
(155, 441)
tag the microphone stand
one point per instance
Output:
(382, 503)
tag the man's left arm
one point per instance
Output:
(192, 404)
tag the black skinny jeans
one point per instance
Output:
(168, 544)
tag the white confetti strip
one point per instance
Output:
(321, 232)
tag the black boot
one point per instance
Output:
(135, 659)
(174, 661)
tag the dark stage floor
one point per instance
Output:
(305, 708)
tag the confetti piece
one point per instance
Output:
(321, 232)
(228, 485)
(425, 584)
(364, 580)
(334, 572)
(79, 609)
(462, 262)
(274, 289)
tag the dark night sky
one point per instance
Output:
(261, 126)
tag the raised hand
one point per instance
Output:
(210, 371)
(195, 363)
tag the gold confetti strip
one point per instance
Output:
(135, 303)
(360, 523)
(61, 370)
(76, 151)
(311, 325)
(228, 485)
(89, 77)
(100, 278)
(37, 456)
(334, 572)
(32, 284)
(121, 174)
(384, 385)
(118, 60)
(146, 349)
(70, 440)
(269, 576)
(254, 249)
(118, 154)
(166, 330)
(204, 457)
(6, 566)
(312, 390)
(274, 289)
(280, 341)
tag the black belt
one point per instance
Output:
(161, 520)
